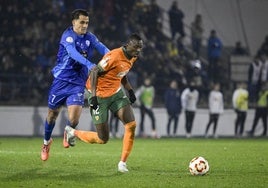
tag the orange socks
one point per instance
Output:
(128, 140)
(88, 137)
(92, 138)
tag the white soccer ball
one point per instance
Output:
(198, 166)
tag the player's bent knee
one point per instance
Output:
(100, 141)
(103, 140)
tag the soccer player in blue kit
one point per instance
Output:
(70, 74)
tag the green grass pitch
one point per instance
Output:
(153, 163)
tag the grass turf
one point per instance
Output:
(153, 163)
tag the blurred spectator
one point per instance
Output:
(239, 50)
(154, 16)
(23, 35)
(139, 8)
(172, 49)
(145, 99)
(181, 48)
(240, 105)
(59, 5)
(172, 99)
(261, 111)
(176, 70)
(7, 64)
(214, 50)
(197, 34)
(189, 99)
(216, 106)
(195, 73)
(254, 74)
(264, 69)
(264, 46)
(176, 17)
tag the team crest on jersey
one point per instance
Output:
(69, 39)
(97, 118)
(87, 42)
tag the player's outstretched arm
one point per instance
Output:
(74, 54)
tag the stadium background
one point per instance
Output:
(29, 122)
(30, 32)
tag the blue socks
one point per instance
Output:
(48, 130)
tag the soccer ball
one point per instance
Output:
(198, 166)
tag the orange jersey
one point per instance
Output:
(114, 65)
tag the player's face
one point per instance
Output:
(134, 47)
(80, 25)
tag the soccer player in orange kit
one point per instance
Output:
(106, 94)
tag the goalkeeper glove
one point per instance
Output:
(132, 96)
(94, 103)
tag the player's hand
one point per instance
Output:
(94, 103)
(132, 96)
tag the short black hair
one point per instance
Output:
(134, 36)
(77, 12)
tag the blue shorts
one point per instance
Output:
(62, 93)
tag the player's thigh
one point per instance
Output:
(126, 114)
(120, 105)
(75, 102)
(103, 131)
(100, 115)
(100, 119)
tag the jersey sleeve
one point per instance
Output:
(99, 46)
(67, 41)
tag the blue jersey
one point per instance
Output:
(73, 58)
(172, 98)
(214, 47)
(72, 68)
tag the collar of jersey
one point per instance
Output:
(125, 52)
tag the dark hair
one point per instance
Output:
(213, 32)
(134, 36)
(77, 12)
